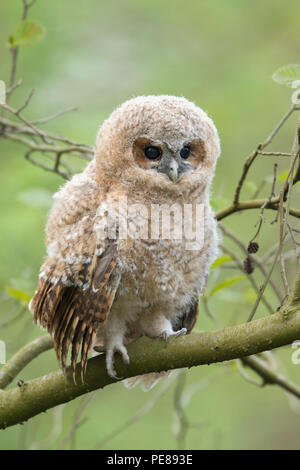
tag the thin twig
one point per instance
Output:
(270, 376)
(56, 430)
(26, 6)
(259, 263)
(77, 420)
(209, 311)
(36, 131)
(249, 161)
(54, 116)
(14, 53)
(276, 154)
(253, 204)
(249, 276)
(245, 375)
(17, 317)
(13, 87)
(266, 372)
(261, 212)
(263, 287)
(47, 137)
(139, 415)
(179, 410)
(295, 242)
(282, 265)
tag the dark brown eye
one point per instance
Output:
(185, 151)
(152, 152)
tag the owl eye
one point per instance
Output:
(185, 151)
(151, 152)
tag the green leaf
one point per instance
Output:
(36, 197)
(18, 294)
(221, 260)
(225, 284)
(288, 75)
(282, 176)
(27, 33)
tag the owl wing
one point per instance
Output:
(77, 285)
(73, 313)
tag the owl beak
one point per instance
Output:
(173, 171)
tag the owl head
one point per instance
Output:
(163, 142)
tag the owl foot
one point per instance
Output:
(166, 334)
(109, 359)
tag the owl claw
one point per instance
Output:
(167, 334)
(110, 352)
(181, 332)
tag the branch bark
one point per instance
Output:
(253, 204)
(269, 376)
(20, 360)
(242, 341)
(146, 355)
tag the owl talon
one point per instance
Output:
(181, 332)
(112, 373)
(167, 334)
(110, 352)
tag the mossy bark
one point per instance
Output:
(146, 355)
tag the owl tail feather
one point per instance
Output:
(147, 381)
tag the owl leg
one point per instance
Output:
(114, 343)
(109, 358)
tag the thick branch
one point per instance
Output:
(38, 395)
(23, 357)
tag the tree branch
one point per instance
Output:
(146, 355)
(253, 204)
(270, 377)
(242, 341)
(20, 360)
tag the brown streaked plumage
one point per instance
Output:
(99, 288)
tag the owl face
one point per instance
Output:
(173, 161)
(158, 141)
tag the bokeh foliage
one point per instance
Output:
(96, 55)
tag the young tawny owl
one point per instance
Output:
(112, 274)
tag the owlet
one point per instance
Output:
(131, 239)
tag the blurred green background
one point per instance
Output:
(96, 54)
